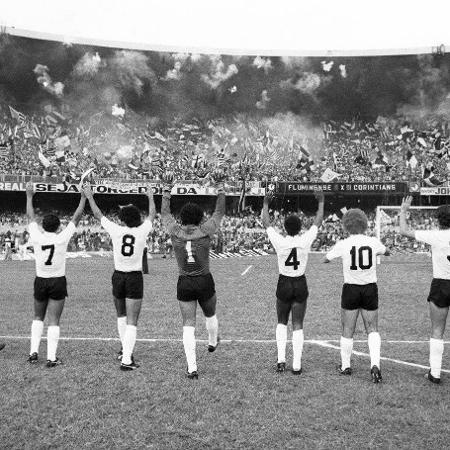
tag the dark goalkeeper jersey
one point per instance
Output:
(191, 245)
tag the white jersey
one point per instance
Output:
(128, 244)
(358, 253)
(440, 250)
(292, 251)
(50, 250)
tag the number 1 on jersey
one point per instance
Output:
(191, 258)
(292, 259)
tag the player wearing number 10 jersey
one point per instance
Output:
(360, 291)
(439, 296)
(50, 286)
(292, 290)
(129, 240)
(191, 243)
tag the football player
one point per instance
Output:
(439, 296)
(292, 289)
(128, 240)
(191, 240)
(50, 285)
(360, 290)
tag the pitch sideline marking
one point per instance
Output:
(398, 361)
(322, 343)
(246, 270)
(241, 341)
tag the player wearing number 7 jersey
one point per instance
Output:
(360, 291)
(439, 296)
(191, 242)
(128, 240)
(50, 286)
(292, 290)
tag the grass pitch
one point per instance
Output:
(239, 401)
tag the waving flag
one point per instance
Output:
(20, 117)
(329, 175)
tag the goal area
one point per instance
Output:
(387, 227)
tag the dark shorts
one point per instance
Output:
(440, 292)
(50, 288)
(292, 289)
(128, 285)
(356, 296)
(199, 288)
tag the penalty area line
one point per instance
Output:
(246, 270)
(384, 358)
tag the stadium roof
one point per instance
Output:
(266, 27)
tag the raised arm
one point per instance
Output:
(404, 228)
(151, 204)
(319, 215)
(166, 216)
(79, 211)
(219, 212)
(218, 177)
(265, 212)
(90, 196)
(30, 209)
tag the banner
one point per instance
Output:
(436, 190)
(107, 187)
(296, 188)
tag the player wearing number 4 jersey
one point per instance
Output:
(191, 243)
(292, 290)
(50, 286)
(439, 296)
(129, 240)
(360, 291)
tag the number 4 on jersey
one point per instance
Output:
(292, 259)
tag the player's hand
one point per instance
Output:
(269, 197)
(167, 179)
(319, 195)
(88, 191)
(29, 189)
(218, 178)
(149, 191)
(406, 203)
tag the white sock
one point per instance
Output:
(212, 325)
(346, 351)
(436, 351)
(189, 347)
(121, 327)
(297, 349)
(37, 327)
(374, 341)
(129, 339)
(281, 336)
(52, 342)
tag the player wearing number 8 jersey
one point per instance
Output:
(50, 286)
(439, 296)
(129, 240)
(292, 290)
(360, 291)
(191, 243)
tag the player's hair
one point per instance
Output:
(191, 214)
(355, 221)
(130, 216)
(292, 225)
(50, 223)
(443, 216)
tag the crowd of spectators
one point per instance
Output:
(239, 232)
(56, 143)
